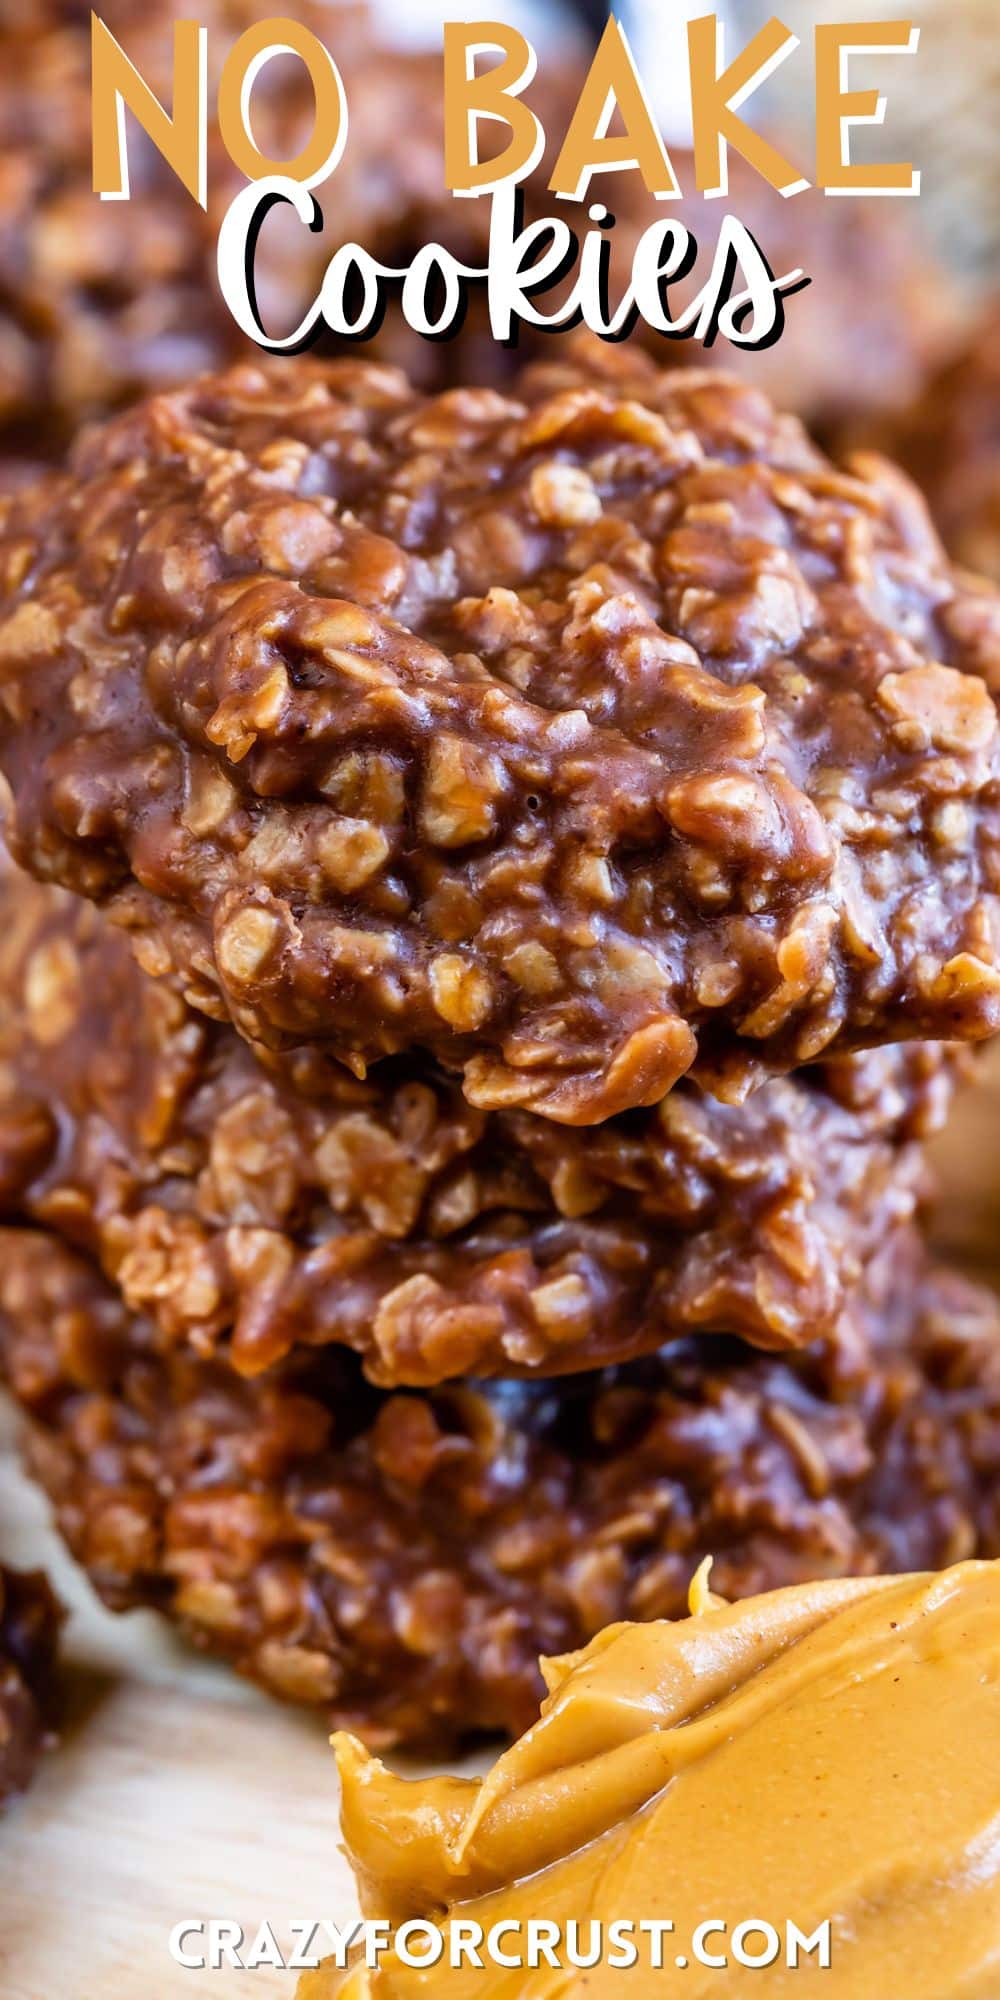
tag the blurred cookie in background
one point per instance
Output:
(938, 109)
(102, 301)
(875, 318)
(950, 441)
(98, 300)
(965, 1163)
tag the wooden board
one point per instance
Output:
(177, 1791)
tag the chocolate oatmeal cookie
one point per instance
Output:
(30, 1618)
(581, 739)
(254, 1206)
(403, 1559)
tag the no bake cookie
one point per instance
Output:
(252, 1206)
(403, 1559)
(582, 738)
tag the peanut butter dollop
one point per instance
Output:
(825, 1752)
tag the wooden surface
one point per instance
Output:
(177, 1791)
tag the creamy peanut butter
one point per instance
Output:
(825, 1752)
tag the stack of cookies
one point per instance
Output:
(526, 864)
(505, 881)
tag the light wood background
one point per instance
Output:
(177, 1791)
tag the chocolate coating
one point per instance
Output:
(581, 740)
(30, 1618)
(254, 1206)
(402, 1559)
